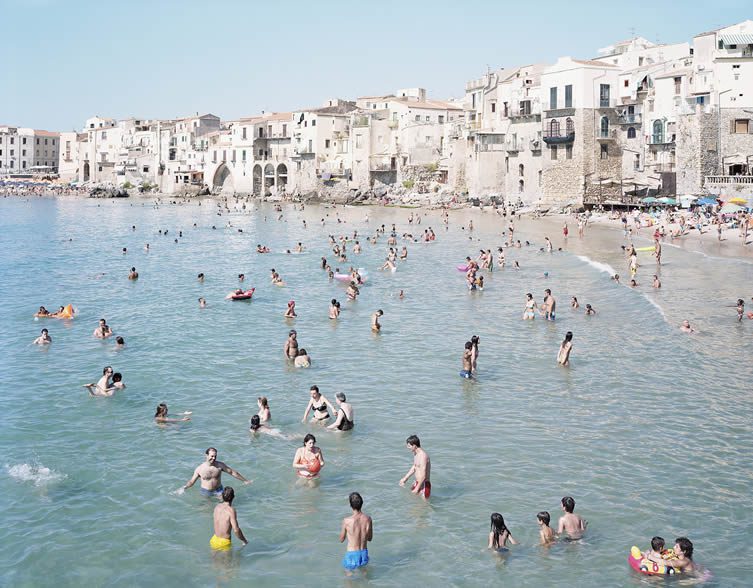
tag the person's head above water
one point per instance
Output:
(413, 441)
(568, 502)
(255, 422)
(161, 410)
(355, 500)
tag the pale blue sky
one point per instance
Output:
(63, 61)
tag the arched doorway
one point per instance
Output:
(269, 177)
(257, 180)
(223, 179)
(86, 171)
(282, 176)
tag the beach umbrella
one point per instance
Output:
(707, 201)
(738, 200)
(730, 208)
(649, 200)
(667, 200)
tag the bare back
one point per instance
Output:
(358, 530)
(223, 517)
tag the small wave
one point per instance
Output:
(655, 304)
(38, 474)
(602, 267)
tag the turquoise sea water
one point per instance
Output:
(649, 429)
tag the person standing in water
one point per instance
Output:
(225, 520)
(563, 356)
(499, 534)
(358, 530)
(570, 523)
(549, 305)
(291, 345)
(421, 468)
(375, 326)
(210, 473)
(43, 339)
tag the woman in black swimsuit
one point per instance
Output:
(344, 415)
(318, 403)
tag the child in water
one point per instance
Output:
(546, 533)
(499, 533)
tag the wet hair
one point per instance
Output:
(117, 377)
(228, 494)
(529, 296)
(133, 269)
(547, 291)
(210, 449)
(333, 301)
(302, 351)
(498, 527)
(263, 401)
(314, 388)
(356, 502)
(161, 410)
(340, 396)
(575, 299)
(740, 301)
(468, 345)
(657, 543)
(544, 517)
(380, 312)
(120, 340)
(686, 546)
(104, 369)
(292, 332)
(568, 502)
(200, 275)
(309, 437)
(255, 422)
(413, 440)
(44, 331)
(568, 337)
(475, 340)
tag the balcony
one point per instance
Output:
(361, 121)
(728, 180)
(629, 119)
(606, 135)
(556, 137)
(661, 139)
(514, 146)
(535, 144)
(558, 112)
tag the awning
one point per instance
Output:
(736, 159)
(738, 39)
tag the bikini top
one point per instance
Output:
(322, 407)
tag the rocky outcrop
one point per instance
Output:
(108, 192)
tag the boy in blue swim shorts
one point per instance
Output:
(357, 529)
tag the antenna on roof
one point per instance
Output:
(632, 32)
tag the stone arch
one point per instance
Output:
(282, 176)
(257, 180)
(86, 171)
(269, 177)
(223, 178)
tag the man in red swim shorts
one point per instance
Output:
(421, 468)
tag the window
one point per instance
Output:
(145, 169)
(626, 84)
(604, 127)
(525, 107)
(358, 141)
(104, 135)
(540, 174)
(23, 151)
(521, 185)
(214, 157)
(243, 155)
(553, 151)
(326, 143)
(658, 132)
(569, 126)
(441, 118)
(428, 139)
(637, 162)
(494, 107)
(37, 153)
(603, 95)
(473, 100)
(418, 118)
(678, 85)
(284, 130)
(741, 125)
(507, 165)
(568, 151)
(23, 141)
(37, 141)
(521, 170)
(261, 153)
(428, 119)
(553, 98)
(224, 155)
(568, 96)
(605, 151)
(23, 164)
(12, 140)
(554, 127)
(243, 134)
(313, 123)
(631, 132)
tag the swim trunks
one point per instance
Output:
(212, 493)
(551, 317)
(425, 489)
(465, 374)
(219, 544)
(355, 559)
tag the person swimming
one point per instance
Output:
(499, 534)
(344, 415)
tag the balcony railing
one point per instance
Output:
(661, 139)
(726, 180)
(630, 119)
(553, 137)
(606, 134)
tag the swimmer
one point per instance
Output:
(474, 352)
(633, 283)
(546, 533)
(117, 382)
(686, 328)
(375, 326)
(655, 553)
(334, 309)
(516, 265)
(401, 295)
(467, 359)
(308, 458)
(574, 303)
(388, 264)
(319, 404)
(102, 387)
(160, 416)
(42, 313)
(202, 302)
(225, 518)
(563, 356)
(103, 330)
(119, 343)
(200, 277)
(549, 305)
(589, 310)
(499, 534)
(210, 473)
(570, 523)
(241, 277)
(358, 530)
(302, 360)
(43, 339)
(344, 414)
(290, 312)
(740, 309)
(352, 292)
(421, 468)
(133, 275)
(291, 345)
(616, 278)
(264, 413)
(683, 551)
(656, 282)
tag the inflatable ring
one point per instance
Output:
(643, 565)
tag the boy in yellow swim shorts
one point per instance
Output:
(225, 519)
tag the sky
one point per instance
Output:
(62, 61)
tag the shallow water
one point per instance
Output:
(649, 429)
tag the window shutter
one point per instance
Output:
(732, 126)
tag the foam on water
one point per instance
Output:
(36, 473)
(602, 267)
